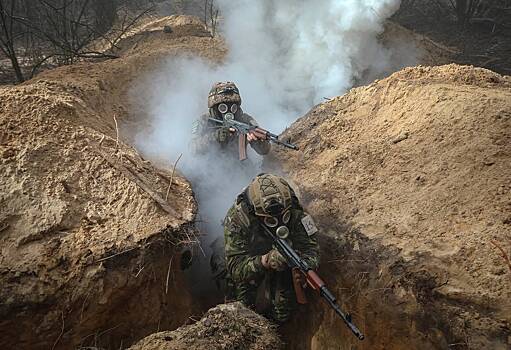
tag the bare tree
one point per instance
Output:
(44, 33)
(211, 13)
(10, 32)
(493, 12)
(465, 10)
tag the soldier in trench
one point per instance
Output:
(218, 148)
(224, 101)
(250, 257)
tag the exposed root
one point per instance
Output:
(117, 254)
(61, 332)
(504, 254)
(168, 275)
(172, 176)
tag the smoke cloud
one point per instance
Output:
(285, 56)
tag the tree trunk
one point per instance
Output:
(7, 36)
(465, 10)
(106, 13)
(16, 67)
(461, 11)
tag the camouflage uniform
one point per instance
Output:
(209, 136)
(205, 137)
(246, 242)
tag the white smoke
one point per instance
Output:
(288, 55)
(285, 56)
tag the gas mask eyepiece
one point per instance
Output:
(286, 216)
(223, 108)
(274, 221)
(271, 221)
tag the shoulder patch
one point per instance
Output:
(231, 225)
(195, 127)
(309, 225)
(242, 216)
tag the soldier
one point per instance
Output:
(249, 255)
(224, 101)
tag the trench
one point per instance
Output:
(152, 288)
(392, 301)
(162, 286)
(389, 304)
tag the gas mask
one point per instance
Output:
(279, 219)
(227, 110)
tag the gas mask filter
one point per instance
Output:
(280, 222)
(282, 232)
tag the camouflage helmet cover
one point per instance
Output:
(269, 194)
(223, 92)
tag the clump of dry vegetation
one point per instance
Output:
(227, 326)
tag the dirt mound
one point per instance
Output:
(187, 25)
(89, 231)
(405, 42)
(80, 217)
(227, 326)
(157, 33)
(418, 167)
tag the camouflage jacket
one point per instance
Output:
(204, 137)
(246, 241)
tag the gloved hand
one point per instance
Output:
(274, 260)
(299, 278)
(223, 134)
(255, 136)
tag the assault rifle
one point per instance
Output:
(300, 266)
(243, 129)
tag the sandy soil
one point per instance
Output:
(419, 163)
(89, 229)
(427, 51)
(227, 326)
(417, 171)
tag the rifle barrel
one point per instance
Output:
(328, 296)
(286, 144)
(317, 283)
